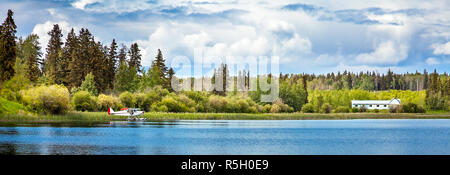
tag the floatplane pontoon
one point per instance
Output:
(132, 113)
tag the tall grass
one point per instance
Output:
(102, 117)
(71, 117)
(287, 116)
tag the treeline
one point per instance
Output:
(371, 81)
(79, 73)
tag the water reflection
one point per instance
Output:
(231, 137)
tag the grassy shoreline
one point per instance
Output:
(102, 117)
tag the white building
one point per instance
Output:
(375, 104)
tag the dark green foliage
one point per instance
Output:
(326, 108)
(87, 85)
(342, 109)
(293, 94)
(355, 110)
(32, 54)
(111, 67)
(143, 101)
(438, 92)
(126, 78)
(170, 75)
(69, 64)
(412, 108)
(84, 101)
(122, 54)
(89, 57)
(7, 48)
(308, 108)
(127, 99)
(52, 60)
(135, 57)
(158, 73)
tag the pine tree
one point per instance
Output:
(52, 58)
(425, 79)
(159, 71)
(170, 75)
(7, 48)
(99, 61)
(389, 80)
(32, 54)
(68, 58)
(76, 66)
(135, 57)
(112, 61)
(122, 55)
(305, 88)
(221, 74)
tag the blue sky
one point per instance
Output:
(309, 36)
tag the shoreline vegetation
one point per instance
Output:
(102, 117)
(79, 73)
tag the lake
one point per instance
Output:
(286, 137)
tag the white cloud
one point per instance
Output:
(118, 6)
(221, 40)
(432, 61)
(441, 49)
(81, 4)
(241, 27)
(358, 68)
(387, 52)
(42, 31)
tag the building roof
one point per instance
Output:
(376, 102)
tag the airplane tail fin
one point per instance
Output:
(110, 110)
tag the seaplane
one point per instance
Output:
(132, 113)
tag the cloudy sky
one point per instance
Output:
(314, 36)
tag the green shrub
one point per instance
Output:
(275, 109)
(266, 108)
(52, 99)
(412, 108)
(11, 89)
(197, 96)
(84, 101)
(308, 108)
(142, 101)
(10, 107)
(376, 110)
(177, 104)
(107, 101)
(326, 108)
(355, 110)
(342, 109)
(163, 108)
(284, 107)
(243, 106)
(395, 108)
(88, 85)
(127, 99)
(217, 104)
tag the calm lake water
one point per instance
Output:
(232, 137)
